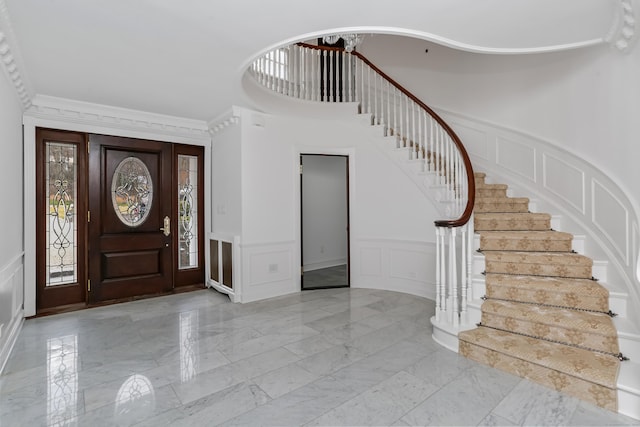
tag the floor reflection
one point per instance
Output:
(62, 381)
(135, 398)
(189, 360)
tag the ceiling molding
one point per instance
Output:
(83, 115)
(623, 33)
(226, 119)
(10, 59)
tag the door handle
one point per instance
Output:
(167, 226)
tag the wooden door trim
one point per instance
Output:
(192, 276)
(48, 298)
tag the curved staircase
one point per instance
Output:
(545, 317)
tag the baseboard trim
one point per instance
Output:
(12, 338)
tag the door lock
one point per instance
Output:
(167, 226)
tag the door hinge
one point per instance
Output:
(300, 169)
(88, 216)
(89, 285)
(88, 146)
(301, 270)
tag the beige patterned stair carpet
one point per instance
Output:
(544, 318)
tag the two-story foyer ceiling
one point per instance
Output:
(186, 57)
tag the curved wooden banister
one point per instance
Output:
(466, 215)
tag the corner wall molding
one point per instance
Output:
(226, 119)
(623, 33)
(85, 114)
(11, 61)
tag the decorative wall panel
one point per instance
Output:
(611, 217)
(564, 180)
(516, 157)
(267, 267)
(371, 261)
(408, 265)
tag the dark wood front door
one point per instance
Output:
(130, 218)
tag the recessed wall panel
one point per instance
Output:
(370, 261)
(516, 157)
(408, 265)
(565, 181)
(611, 217)
(268, 267)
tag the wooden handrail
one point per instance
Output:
(471, 183)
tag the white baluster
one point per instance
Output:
(453, 279)
(331, 74)
(439, 255)
(470, 233)
(369, 109)
(463, 276)
(376, 116)
(443, 273)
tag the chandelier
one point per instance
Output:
(351, 40)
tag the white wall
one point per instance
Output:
(12, 248)
(226, 186)
(391, 220)
(324, 211)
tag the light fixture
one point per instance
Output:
(351, 40)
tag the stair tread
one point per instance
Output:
(521, 234)
(485, 186)
(512, 215)
(593, 323)
(554, 258)
(491, 199)
(553, 291)
(591, 366)
(557, 284)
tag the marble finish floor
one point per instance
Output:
(325, 357)
(330, 277)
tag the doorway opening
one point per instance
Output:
(118, 218)
(324, 221)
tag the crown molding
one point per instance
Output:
(623, 34)
(84, 115)
(224, 120)
(11, 60)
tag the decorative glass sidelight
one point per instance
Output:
(61, 229)
(132, 191)
(187, 212)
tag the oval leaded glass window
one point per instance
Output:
(132, 191)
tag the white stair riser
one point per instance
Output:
(629, 404)
(629, 345)
(618, 303)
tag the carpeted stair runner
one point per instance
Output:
(544, 318)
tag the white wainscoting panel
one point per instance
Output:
(564, 180)
(636, 249)
(517, 157)
(268, 270)
(611, 217)
(370, 261)
(11, 300)
(396, 265)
